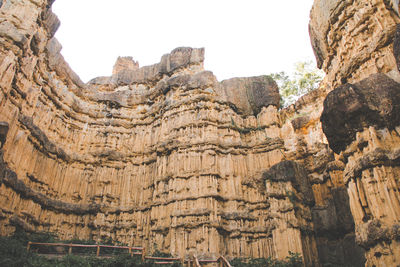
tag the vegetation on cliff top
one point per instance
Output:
(305, 79)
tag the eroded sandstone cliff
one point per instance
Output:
(154, 156)
(366, 136)
(167, 157)
(356, 43)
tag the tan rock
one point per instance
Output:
(166, 156)
(125, 63)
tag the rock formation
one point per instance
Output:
(357, 45)
(167, 157)
(353, 39)
(368, 142)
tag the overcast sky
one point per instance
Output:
(241, 37)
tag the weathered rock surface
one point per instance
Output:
(356, 43)
(179, 58)
(250, 95)
(150, 156)
(3, 132)
(368, 140)
(305, 143)
(291, 198)
(396, 47)
(125, 63)
(167, 156)
(351, 107)
(353, 39)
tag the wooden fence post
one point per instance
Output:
(70, 249)
(130, 247)
(143, 254)
(28, 246)
(98, 250)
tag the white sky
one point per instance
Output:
(241, 37)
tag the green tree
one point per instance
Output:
(305, 79)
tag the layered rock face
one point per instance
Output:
(368, 142)
(162, 156)
(166, 157)
(352, 39)
(356, 43)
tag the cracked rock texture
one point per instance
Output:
(159, 156)
(166, 156)
(368, 142)
(357, 44)
(352, 39)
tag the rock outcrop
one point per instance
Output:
(250, 95)
(125, 63)
(357, 45)
(151, 156)
(367, 137)
(353, 39)
(291, 198)
(352, 107)
(166, 156)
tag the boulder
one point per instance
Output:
(351, 107)
(250, 95)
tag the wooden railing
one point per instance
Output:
(221, 261)
(194, 261)
(131, 250)
(163, 260)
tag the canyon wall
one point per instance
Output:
(356, 43)
(368, 143)
(162, 156)
(167, 157)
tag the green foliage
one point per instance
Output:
(305, 79)
(336, 265)
(13, 253)
(293, 260)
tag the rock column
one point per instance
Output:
(291, 198)
(361, 122)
